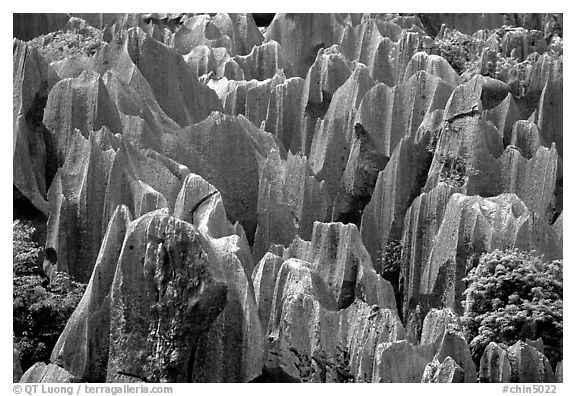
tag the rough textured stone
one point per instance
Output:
(559, 372)
(357, 183)
(310, 341)
(161, 305)
(264, 61)
(526, 137)
(31, 141)
(533, 180)
(446, 372)
(435, 325)
(141, 182)
(82, 348)
(302, 35)
(16, 365)
(337, 253)
(42, 372)
(400, 361)
(235, 150)
(389, 114)
(284, 110)
(454, 345)
(494, 365)
(329, 71)
(290, 199)
(476, 225)
(81, 103)
(421, 224)
(397, 185)
(136, 60)
(333, 135)
(264, 280)
(434, 65)
(75, 226)
(528, 365)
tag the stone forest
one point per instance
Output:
(287, 198)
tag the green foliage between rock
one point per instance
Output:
(511, 296)
(41, 307)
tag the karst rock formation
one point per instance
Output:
(227, 188)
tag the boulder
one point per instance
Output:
(357, 183)
(446, 372)
(232, 349)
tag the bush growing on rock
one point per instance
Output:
(511, 296)
(41, 307)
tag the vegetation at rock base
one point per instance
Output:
(41, 306)
(512, 296)
(69, 43)
(389, 261)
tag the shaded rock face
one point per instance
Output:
(397, 185)
(492, 223)
(182, 295)
(333, 135)
(187, 166)
(495, 365)
(302, 35)
(83, 346)
(528, 364)
(446, 372)
(337, 253)
(400, 361)
(290, 200)
(34, 162)
(236, 150)
(42, 372)
(357, 183)
(16, 365)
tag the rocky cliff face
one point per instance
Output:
(230, 193)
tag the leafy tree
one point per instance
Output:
(389, 261)
(41, 307)
(388, 265)
(511, 296)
